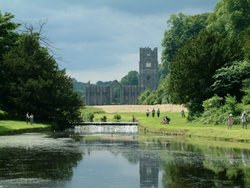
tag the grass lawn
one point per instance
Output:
(180, 126)
(11, 126)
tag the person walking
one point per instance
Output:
(244, 120)
(147, 113)
(158, 112)
(27, 117)
(31, 119)
(153, 112)
(182, 113)
(230, 121)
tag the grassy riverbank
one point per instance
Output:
(12, 127)
(177, 126)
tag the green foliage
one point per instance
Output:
(204, 55)
(2, 114)
(216, 110)
(229, 79)
(8, 36)
(231, 105)
(132, 78)
(117, 117)
(194, 65)
(160, 96)
(92, 112)
(90, 117)
(8, 39)
(230, 16)
(79, 87)
(33, 83)
(103, 118)
(246, 90)
(182, 28)
(214, 102)
(246, 44)
(143, 97)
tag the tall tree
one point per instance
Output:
(8, 38)
(182, 28)
(34, 83)
(230, 16)
(195, 64)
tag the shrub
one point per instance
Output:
(117, 117)
(103, 119)
(91, 117)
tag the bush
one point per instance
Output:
(216, 113)
(117, 117)
(103, 119)
(90, 117)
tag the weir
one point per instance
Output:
(106, 127)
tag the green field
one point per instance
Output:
(178, 126)
(11, 127)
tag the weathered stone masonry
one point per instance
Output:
(119, 94)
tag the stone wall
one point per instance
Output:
(119, 94)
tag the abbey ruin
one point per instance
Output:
(116, 93)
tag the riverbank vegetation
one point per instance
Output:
(178, 126)
(31, 80)
(206, 56)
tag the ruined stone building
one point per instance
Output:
(116, 93)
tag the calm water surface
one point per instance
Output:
(40, 160)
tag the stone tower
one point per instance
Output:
(148, 69)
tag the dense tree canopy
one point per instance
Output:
(31, 80)
(196, 63)
(207, 54)
(8, 38)
(182, 28)
(230, 16)
(229, 79)
(34, 83)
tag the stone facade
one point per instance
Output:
(116, 93)
(148, 69)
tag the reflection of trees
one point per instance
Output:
(183, 165)
(205, 167)
(24, 163)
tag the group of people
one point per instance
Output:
(153, 112)
(243, 118)
(165, 119)
(29, 118)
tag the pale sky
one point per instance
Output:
(100, 39)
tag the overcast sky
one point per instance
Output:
(100, 39)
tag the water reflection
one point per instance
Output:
(164, 163)
(36, 160)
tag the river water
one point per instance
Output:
(117, 161)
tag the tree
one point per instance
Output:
(229, 79)
(34, 83)
(195, 64)
(182, 28)
(130, 79)
(230, 16)
(8, 38)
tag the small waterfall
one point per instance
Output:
(106, 129)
